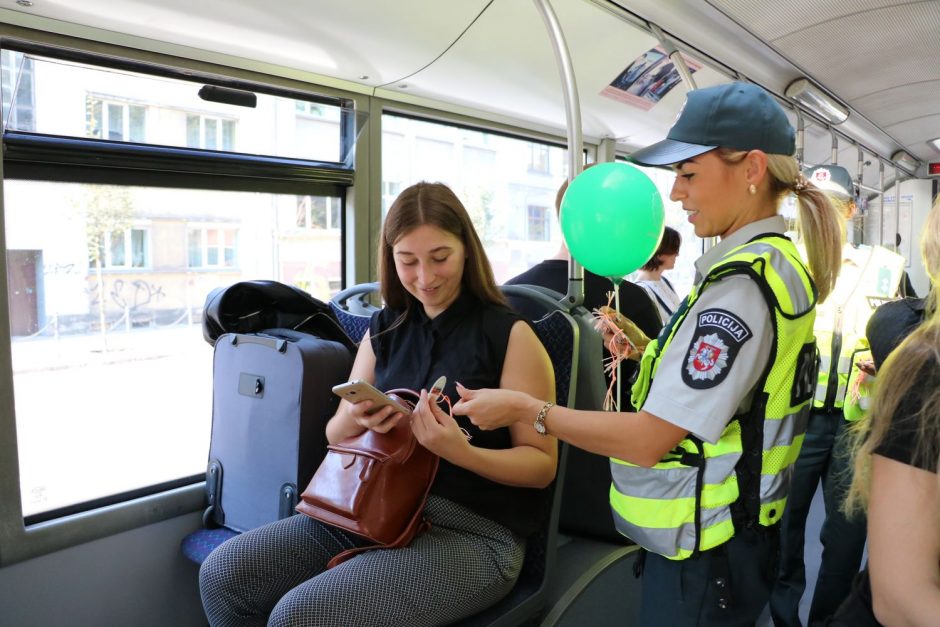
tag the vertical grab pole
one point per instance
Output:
(881, 217)
(675, 56)
(897, 209)
(800, 130)
(859, 229)
(575, 294)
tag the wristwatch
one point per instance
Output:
(540, 419)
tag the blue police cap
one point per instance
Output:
(741, 116)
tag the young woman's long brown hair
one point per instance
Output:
(434, 204)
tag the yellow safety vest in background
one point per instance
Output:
(841, 320)
(858, 395)
(692, 499)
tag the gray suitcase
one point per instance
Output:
(272, 397)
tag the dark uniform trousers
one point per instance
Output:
(725, 586)
(825, 456)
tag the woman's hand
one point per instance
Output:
(492, 409)
(436, 430)
(380, 421)
(354, 418)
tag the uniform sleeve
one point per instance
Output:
(709, 370)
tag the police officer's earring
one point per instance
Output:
(752, 189)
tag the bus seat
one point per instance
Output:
(197, 545)
(559, 333)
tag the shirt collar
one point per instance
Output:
(774, 224)
(447, 320)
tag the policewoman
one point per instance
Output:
(701, 470)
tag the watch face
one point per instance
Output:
(540, 427)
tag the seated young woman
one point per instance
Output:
(443, 315)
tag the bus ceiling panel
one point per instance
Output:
(874, 55)
(504, 65)
(362, 41)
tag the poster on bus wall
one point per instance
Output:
(647, 79)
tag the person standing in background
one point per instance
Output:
(867, 271)
(634, 303)
(650, 276)
(896, 468)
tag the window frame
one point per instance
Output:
(39, 157)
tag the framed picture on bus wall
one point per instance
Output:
(647, 79)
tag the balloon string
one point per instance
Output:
(619, 346)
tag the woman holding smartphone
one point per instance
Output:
(444, 316)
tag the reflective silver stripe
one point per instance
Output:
(845, 363)
(782, 432)
(864, 402)
(774, 487)
(669, 541)
(654, 483)
(665, 542)
(824, 361)
(840, 392)
(820, 392)
(785, 270)
(670, 483)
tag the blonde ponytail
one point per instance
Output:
(820, 222)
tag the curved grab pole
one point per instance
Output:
(575, 294)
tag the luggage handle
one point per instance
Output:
(278, 344)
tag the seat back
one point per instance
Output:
(559, 333)
(585, 510)
(353, 310)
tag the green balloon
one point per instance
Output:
(612, 218)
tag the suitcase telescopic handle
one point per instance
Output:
(278, 344)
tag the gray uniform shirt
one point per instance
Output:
(710, 369)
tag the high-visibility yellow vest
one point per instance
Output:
(858, 395)
(841, 320)
(694, 497)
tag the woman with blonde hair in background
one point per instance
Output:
(896, 475)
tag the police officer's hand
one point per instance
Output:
(621, 333)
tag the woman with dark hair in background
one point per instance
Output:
(650, 276)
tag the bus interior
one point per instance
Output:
(155, 151)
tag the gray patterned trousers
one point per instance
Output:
(275, 576)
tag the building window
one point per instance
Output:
(19, 93)
(319, 212)
(115, 121)
(538, 225)
(390, 191)
(538, 158)
(210, 133)
(126, 248)
(210, 247)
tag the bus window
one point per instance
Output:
(127, 199)
(508, 184)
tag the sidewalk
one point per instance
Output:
(37, 354)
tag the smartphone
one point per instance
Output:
(355, 391)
